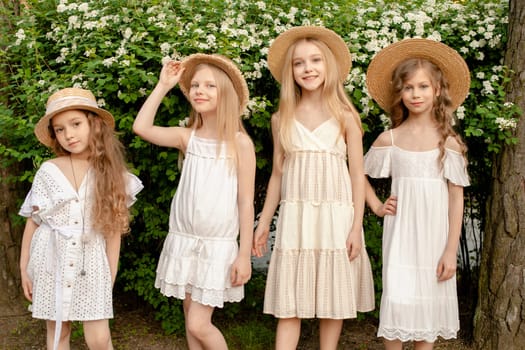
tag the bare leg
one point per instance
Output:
(200, 328)
(98, 335)
(393, 344)
(63, 344)
(288, 332)
(193, 343)
(329, 332)
(423, 345)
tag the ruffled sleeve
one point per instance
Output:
(134, 186)
(39, 198)
(455, 168)
(378, 162)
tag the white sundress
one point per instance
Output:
(310, 274)
(414, 305)
(204, 225)
(56, 259)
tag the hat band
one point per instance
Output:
(70, 101)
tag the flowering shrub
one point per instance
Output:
(116, 49)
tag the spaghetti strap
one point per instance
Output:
(392, 136)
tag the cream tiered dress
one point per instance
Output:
(310, 274)
(204, 224)
(414, 305)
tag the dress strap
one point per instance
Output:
(392, 136)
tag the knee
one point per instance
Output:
(197, 327)
(100, 340)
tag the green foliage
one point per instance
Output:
(116, 49)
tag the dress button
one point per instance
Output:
(74, 243)
(71, 264)
(69, 286)
(76, 222)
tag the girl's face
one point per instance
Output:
(72, 131)
(308, 65)
(203, 91)
(418, 93)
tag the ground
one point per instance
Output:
(135, 328)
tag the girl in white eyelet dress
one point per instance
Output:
(423, 216)
(201, 261)
(71, 243)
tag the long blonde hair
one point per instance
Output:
(229, 118)
(442, 107)
(110, 213)
(334, 98)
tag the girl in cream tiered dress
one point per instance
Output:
(310, 274)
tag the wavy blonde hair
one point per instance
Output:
(442, 106)
(110, 213)
(334, 98)
(229, 118)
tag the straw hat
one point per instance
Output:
(280, 45)
(224, 64)
(453, 66)
(64, 100)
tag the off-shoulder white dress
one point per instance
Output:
(310, 274)
(414, 305)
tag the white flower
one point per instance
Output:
(184, 122)
(165, 48)
(480, 75)
(460, 112)
(61, 8)
(108, 62)
(127, 33)
(142, 91)
(84, 7)
(487, 88)
(505, 124)
(101, 102)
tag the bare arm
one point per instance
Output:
(357, 175)
(241, 268)
(273, 194)
(113, 253)
(379, 208)
(27, 284)
(143, 125)
(448, 263)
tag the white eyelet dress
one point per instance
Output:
(414, 305)
(310, 274)
(56, 256)
(204, 225)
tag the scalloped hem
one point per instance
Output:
(427, 336)
(213, 298)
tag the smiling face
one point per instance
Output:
(72, 131)
(308, 65)
(203, 91)
(418, 93)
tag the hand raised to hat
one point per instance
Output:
(170, 74)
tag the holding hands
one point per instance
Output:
(260, 240)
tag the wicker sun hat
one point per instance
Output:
(280, 45)
(64, 100)
(226, 65)
(448, 60)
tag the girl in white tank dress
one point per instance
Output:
(423, 216)
(201, 261)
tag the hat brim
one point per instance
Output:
(42, 126)
(383, 64)
(281, 44)
(239, 83)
